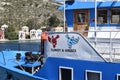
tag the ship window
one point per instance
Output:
(65, 73)
(93, 75)
(115, 16)
(118, 76)
(102, 16)
(81, 17)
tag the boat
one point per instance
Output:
(63, 56)
(67, 56)
(18, 65)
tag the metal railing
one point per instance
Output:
(107, 43)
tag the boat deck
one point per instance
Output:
(9, 64)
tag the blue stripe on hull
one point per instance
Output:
(51, 68)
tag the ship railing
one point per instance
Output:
(107, 43)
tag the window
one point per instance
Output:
(118, 76)
(81, 18)
(69, 0)
(65, 73)
(93, 75)
(115, 16)
(102, 16)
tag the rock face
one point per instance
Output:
(18, 13)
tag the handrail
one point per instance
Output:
(3, 58)
(97, 31)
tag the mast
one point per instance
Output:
(64, 17)
(95, 28)
(95, 3)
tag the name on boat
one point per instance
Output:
(63, 50)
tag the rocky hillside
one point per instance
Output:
(34, 13)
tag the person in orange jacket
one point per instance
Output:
(44, 37)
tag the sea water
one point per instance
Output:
(28, 45)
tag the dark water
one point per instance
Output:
(33, 45)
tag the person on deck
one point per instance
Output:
(44, 37)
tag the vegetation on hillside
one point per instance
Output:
(11, 34)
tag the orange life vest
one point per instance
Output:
(44, 36)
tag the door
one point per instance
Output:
(81, 21)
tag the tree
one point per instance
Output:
(33, 24)
(53, 21)
(10, 33)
